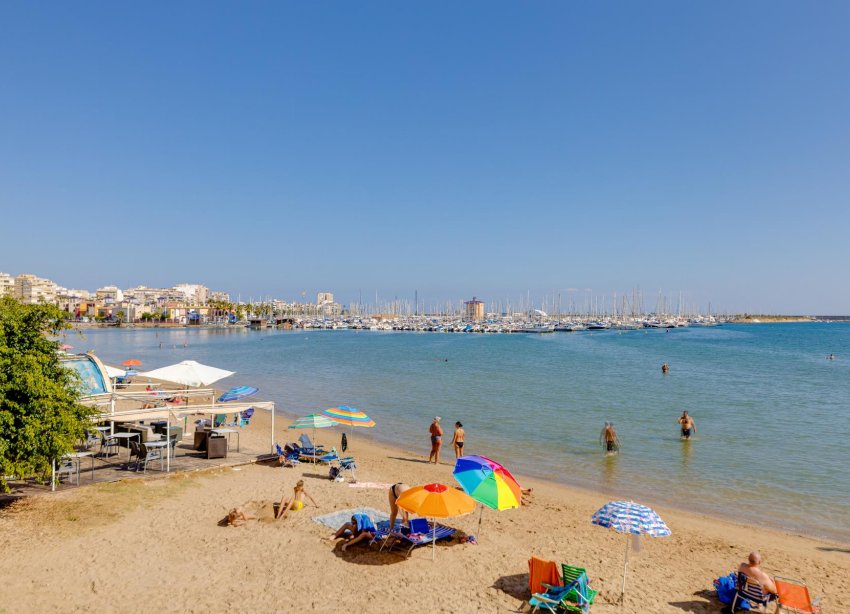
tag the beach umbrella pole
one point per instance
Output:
(480, 518)
(434, 541)
(625, 566)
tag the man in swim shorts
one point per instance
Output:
(688, 425)
(436, 440)
(609, 435)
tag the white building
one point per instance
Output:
(109, 295)
(195, 294)
(30, 289)
(7, 284)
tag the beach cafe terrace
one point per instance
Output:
(129, 435)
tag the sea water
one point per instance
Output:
(772, 413)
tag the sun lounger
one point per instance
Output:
(793, 596)
(289, 455)
(421, 533)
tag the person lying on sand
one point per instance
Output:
(526, 495)
(261, 511)
(296, 502)
(360, 528)
(752, 569)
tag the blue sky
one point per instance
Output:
(488, 148)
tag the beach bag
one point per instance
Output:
(726, 587)
(344, 443)
(334, 472)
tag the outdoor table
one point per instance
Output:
(227, 432)
(126, 436)
(102, 429)
(77, 456)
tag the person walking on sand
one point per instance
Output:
(458, 439)
(688, 425)
(610, 439)
(436, 440)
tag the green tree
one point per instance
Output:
(41, 417)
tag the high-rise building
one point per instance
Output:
(195, 294)
(31, 289)
(7, 284)
(324, 298)
(474, 310)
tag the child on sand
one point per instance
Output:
(296, 503)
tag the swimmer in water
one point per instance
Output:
(665, 368)
(831, 357)
(608, 436)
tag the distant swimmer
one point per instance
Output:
(665, 368)
(688, 425)
(609, 438)
(831, 357)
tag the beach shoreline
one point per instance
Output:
(168, 527)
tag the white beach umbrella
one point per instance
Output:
(189, 373)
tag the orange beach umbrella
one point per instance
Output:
(436, 501)
(132, 363)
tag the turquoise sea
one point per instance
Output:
(772, 413)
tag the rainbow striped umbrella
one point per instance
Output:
(349, 416)
(487, 482)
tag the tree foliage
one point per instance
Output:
(41, 417)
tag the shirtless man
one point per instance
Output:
(436, 440)
(688, 425)
(752, 569)
(609, 437)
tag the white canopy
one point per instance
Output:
(189, 373)
(114, 371)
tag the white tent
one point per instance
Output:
(114, 372)
(189, 373)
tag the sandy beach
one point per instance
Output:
(156, 545)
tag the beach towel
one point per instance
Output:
(335, 520)
(364, 523)
(540, 571)
(726, 587)
(381, 485)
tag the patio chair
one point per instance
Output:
(347, 464)
(793, 596)
(146, 455)
(92, 437)
(750, 590)
(421, 533)
(135, 452)
(67, 466)
(108, 442)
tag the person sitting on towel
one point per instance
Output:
(360, 528)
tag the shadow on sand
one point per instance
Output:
(515, 586)
(706, 604)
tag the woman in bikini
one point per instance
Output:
(457, 440)
(395, 492)
(296, 503)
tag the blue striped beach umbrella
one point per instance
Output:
(240, 392)
(630, 518)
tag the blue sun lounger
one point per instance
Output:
(421, 533)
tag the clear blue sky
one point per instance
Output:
(455, 148)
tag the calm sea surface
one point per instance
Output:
(773, 415)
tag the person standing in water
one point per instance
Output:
(609, 437)
(688, 425)
(436, 440)
(458, 439)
